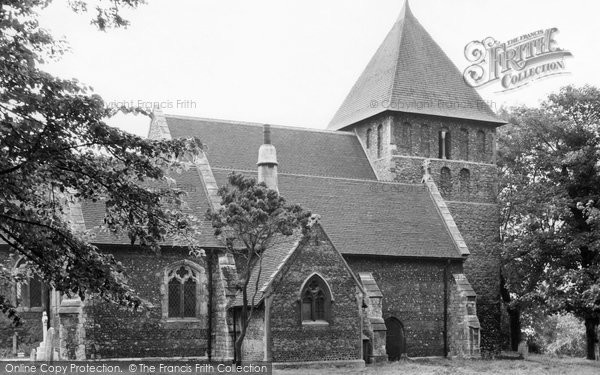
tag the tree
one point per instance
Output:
(55, 147)
(250, 219)
(529, 204)
(550, 171)
(555, 334)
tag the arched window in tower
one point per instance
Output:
(425, 137)
(369, 131)
(445, 181)
(481, 145)
(316, 300)
(406, 137)
(182, 292)
(30, 294)
(464, 144)
(464, 182)
(445, 144)
(379, 140)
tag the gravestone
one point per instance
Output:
(48, 345)
(523, 349)
(41, 350)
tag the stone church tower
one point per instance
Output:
(411, 107)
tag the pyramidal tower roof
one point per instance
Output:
(410, 73)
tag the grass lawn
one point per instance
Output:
(535, 364)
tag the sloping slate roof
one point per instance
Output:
(369, 217)
(273, 258)
(235, 145)
(463, 285)
(370, 285)
(411, 73)
(93, 213)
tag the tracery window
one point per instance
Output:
(29, 293)
(182, 291)
(316, 300)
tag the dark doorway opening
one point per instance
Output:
(367, 350)
(395, 342)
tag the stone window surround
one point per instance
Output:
(457, 161)
(445, 144)
(328, 302)
(474, 344)
(164, 290)
(464, 180)
(406, 135)
(455, 127)
(24, 306)
(374, 157)
(471, 306)
(445, 180)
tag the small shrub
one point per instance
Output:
(534, 348)
(557, 334)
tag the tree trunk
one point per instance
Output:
(243, 328)
(514, 316)
(244, 318)
(591, 324)
(238, 350)
(239, 341)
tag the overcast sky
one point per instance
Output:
(293, 62)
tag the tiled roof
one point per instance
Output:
(463, 285)
(370, 217)
(235, 145)
(411, 73)
(93, 213)
(370, 285)
(273, 258)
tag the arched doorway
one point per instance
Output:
(395, 342)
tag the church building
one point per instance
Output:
(400, 259)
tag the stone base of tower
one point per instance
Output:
(478, 223)
(469, 191)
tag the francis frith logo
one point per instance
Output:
(515, 63)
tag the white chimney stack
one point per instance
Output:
(267, 161)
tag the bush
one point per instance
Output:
(557, 334)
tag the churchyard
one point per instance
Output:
(533, 365)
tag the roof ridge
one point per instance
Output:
(446, 216)
(325, 177)
(402, 17)
(364, 150)
(410, 73)
(443, 52)
(248, 123)
(404, 11)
